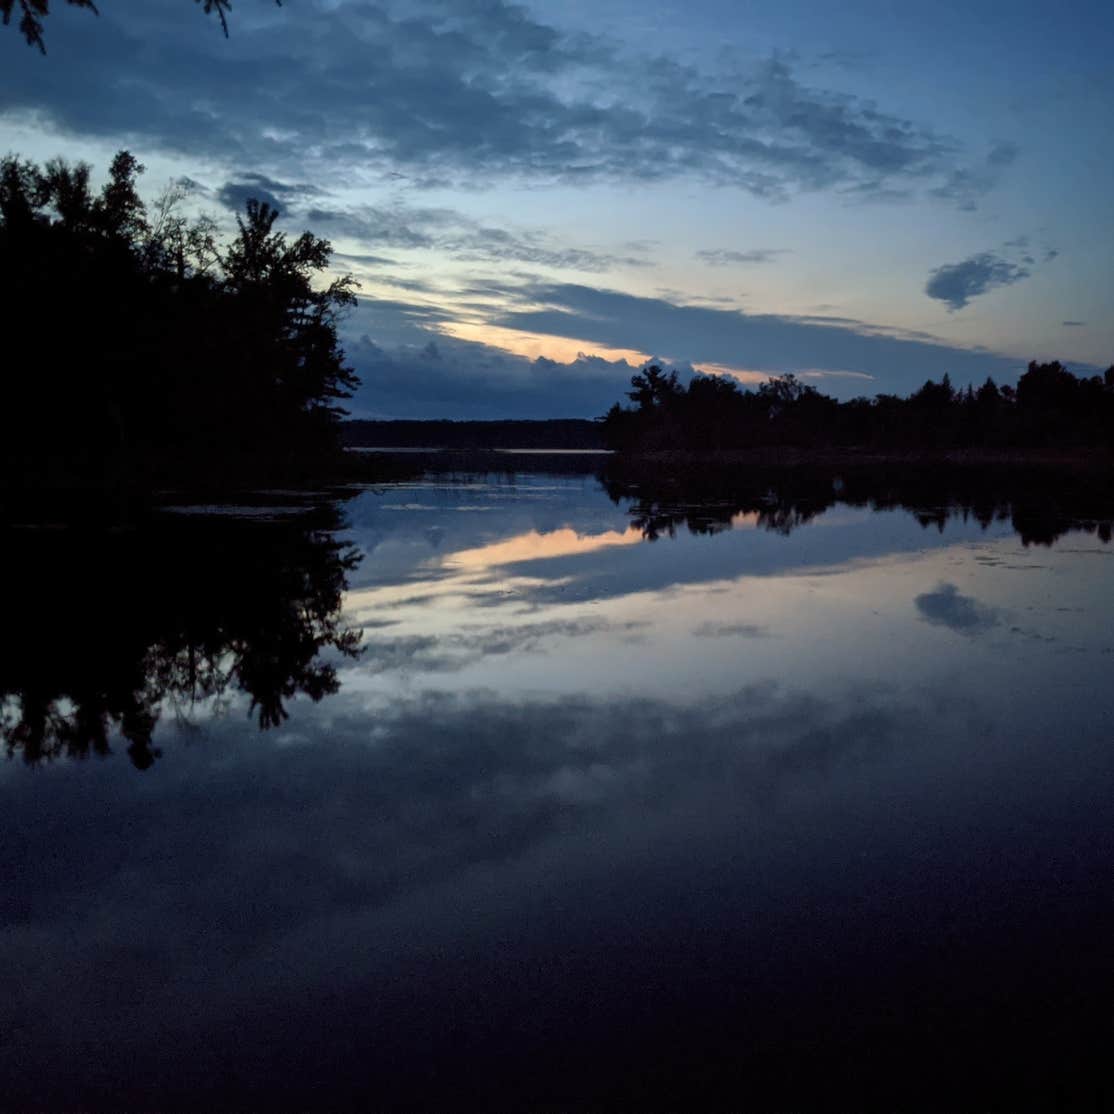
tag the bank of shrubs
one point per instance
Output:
(1049, 408)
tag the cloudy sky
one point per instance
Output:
(538, 197)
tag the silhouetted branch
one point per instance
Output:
(32, 13)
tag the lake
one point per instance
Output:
(527, 791)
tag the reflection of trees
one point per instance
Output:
(705, 501)
(105, 630)
(1041, 503)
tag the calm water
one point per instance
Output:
(620, 802)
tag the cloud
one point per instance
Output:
(464, 94)
(190, 185)
(720, 257)
(397, 226)
(451, 233)
(1003, 154)
(820, 375)
(730, 338)
(482, 244)
(466, 379)
(947, 607)
(235, 196)
(964, 186)
(731, 630)
(280, 196)
(413, 368)
(409, 368)
(365, 260)
(955, 284)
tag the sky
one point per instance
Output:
(539, 198)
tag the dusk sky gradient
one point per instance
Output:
(537, 198)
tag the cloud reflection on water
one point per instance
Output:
(723, 791)
(946, 606)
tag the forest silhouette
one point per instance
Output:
(108, 630)
(1049, 408)
(176, 356)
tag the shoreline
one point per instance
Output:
(398, 465)
(388, 464)
(1084, 458)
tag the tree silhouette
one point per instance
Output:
(1051, 407)
(181, 356)
(32, 13)
(288, 323)
(654, 389)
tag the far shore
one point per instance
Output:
(1089, 460)
(78, 497)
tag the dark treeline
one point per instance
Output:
(107, 630)
(142, 348)
(1049, 408)
(550, 433)
(1041, 503)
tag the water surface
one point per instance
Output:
(624, 800)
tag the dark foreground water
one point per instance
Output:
(771, 802)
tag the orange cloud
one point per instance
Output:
(564, 350)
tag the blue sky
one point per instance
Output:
(538, 197)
